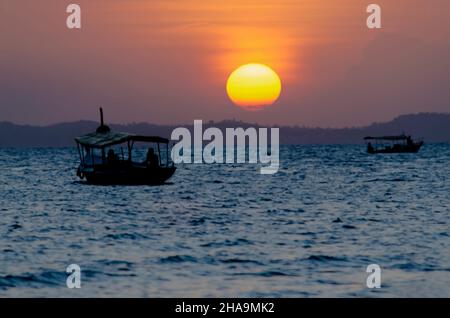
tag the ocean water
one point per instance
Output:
(227, 231)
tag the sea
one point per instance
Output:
(224, 230)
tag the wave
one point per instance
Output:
(47, 278)
(270, 273)
(127, 236)
(178, 259)
(240, 261)
(326, 258)
(236, 242)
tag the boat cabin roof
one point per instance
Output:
(110, 138)
(393, 138)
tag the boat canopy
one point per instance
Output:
(109, 138)
(392, 138)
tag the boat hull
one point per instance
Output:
(399, 149)
(126, 176)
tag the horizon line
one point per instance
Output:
(209, 121)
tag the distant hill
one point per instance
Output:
(432, 127)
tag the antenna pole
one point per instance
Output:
(102, 129)
(101, 116)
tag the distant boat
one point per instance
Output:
(100, 164)
(392, 144)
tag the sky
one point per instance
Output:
(167, 61)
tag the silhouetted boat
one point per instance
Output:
(101, 165)
(393, 144)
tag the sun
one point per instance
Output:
(253, 86)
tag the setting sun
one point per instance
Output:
(253, 86)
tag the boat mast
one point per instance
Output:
(101, 116)
(102, 128)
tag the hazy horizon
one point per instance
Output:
(167, 62)
(205, 122)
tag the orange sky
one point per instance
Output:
(167, 61)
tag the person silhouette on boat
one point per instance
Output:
(370, 148)
(409, 141)
(112, 157)
(152, 160)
